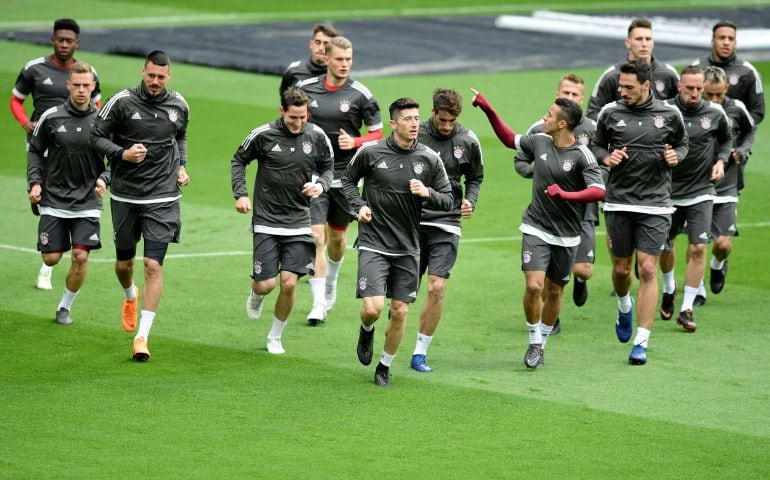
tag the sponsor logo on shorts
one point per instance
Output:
(590, 254)
(458, 152)
(659, 122)
(44, 238)
(94, 238)
(705, 123)
(732, 228)
(257, 268)
(704, 236)
(412, 294)
(418, 168)
(345, 106)
(307, 147)
(526, 256)
(566, 279)
(362, 283)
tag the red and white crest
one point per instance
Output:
(344, 106)
(458, 152)
(659, 122)
(307, 147)
(705, 123)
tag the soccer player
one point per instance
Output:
(565, 176)
(440, 231)
(723, 221)
(400, 175)
(316, 64)
(641, 139)
(45, 78)
(692, 191)
(571, 87)
(143, 132)
(288, 151)
(664, 79)
(339, 105)
(67, 183)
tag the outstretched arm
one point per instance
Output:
(502, 130)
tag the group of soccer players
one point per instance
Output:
(665, 154)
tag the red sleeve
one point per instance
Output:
(502, 130)
(17, 108)
(588, 195)
(373, 135)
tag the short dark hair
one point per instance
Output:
(326, 29)
(639, 23)
(691, 70)
(158, 57)
(638, 67)
(569, 112)
(401, 104)
(723, 23)
(66, 24)
(448, 100)
(293, 96)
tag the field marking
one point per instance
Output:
(599, 233)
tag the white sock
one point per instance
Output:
(702, 289)
(318, 289)
(717, 264)
(535, 337)
(333, 269)
(277, 329)
(624, 303)
(66, 299)
(367, 328)
(689, 298)
(669, 282)
(130, 292)
(642, 335)
(45, 269)
(423, 342)
(145, 324)
(545, 330)
(386, 359)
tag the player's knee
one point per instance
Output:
(51, 258)
(288, 283)
(697, 251)
(436, 287)
(398, 311)
(79, 256)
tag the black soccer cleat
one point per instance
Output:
(580, 293)
(667, 305)
(382, 376)
(699, 301)
(556, 327)
(717, 280)
(365, 346)
(686, 321)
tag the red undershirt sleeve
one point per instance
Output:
(17, 108)
(373, 135)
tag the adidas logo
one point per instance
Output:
(48, 81)
(412, 294)
(314, 104)
(61, 129)
(662, 247)
(621, 123)
(309, 266)
(276, 148)
(544, 157)
(382, 165)
(136, 116)
(565, 279)
(732, 228)
(590, 254)
(704, 236)
(94, 237)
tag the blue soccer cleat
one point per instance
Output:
(624, 325)
(420, 363)
(638, 355)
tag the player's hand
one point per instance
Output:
(466, 209)
(182, 179)
(29, 127)
(418, 189)
(718, 171)
(478, 99)
(243, 205)
(135, 154)
(35, 191)
(365, 214)
(100, 188)
(554, 190)
(736, 156)
(617, 156)
(345, 141)
(669, 155)
(312, 190)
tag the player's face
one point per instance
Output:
(406, 125)
(723, 42)
(631, 91)
(340, 62)
(64, 42)
(715, 92)
(80, 86)
(640, 44)
(155, 78)
(318, 48)
(571, 91)
(691, 89)
(551, 121)
(444, 122)
(294, 118)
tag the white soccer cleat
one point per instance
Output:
(274, 346)
(254, 305)
(317, 314)
(44, 280)
(331, 294)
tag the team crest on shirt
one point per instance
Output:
(458, 152)
(345, 106)
(526, 256)
(567, 165)
(705, 123)
(418, 167)
(733, 78)
(257, 268)
(584, 139)
(362, 283)
(660, 86)
(172, 115)
(43, 238)
(307, 147)
(659, 121)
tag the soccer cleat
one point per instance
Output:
(382, 376)
(141, 352)
(44, 280)
(317, 315)
(580, 293)
(254, 305)
(274, 346)
(331, 293)
(420, 363)
(128, 316)
(556, 327)
(638, 355)
(667, 305)
(686, 321)
(365, 346)
(699, 301)
(717, 280)
(624, 325)
(63, 316)
(534, 356)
